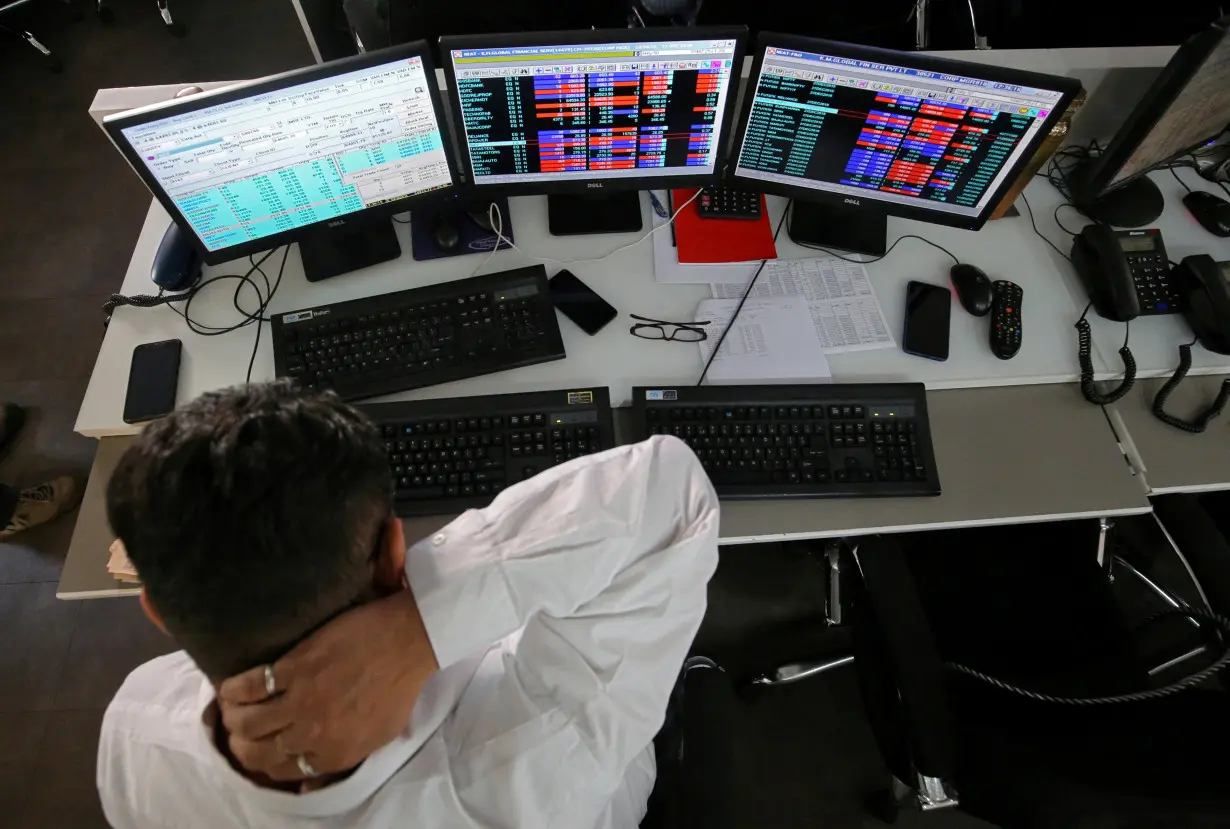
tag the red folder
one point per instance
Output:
(720, 240)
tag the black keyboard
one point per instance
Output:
(822, 441)
(715, 202)
(421, 337)
(456, 453)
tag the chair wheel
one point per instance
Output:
(882, 806)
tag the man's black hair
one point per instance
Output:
(251, 516)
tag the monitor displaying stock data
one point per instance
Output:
(533, 114)
(896, 134)
(308, 152)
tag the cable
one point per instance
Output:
(1200, 423)
(500, 237)
(1084, 353)
(885, 253)
(1055, 216)
(1034, 225)
(265, 305)
(495, 217)
(748, 292)
(1181, 181)
(1137, 696)
(1224, 188)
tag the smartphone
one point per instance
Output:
(152, 381)
(578, 302)
(928, 313)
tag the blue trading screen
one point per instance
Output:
(897, 134)
(594, 110)
(297, 156)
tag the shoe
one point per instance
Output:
(45, 502)
(12, 418)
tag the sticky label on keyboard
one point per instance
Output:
(661, 394)
(582, 398)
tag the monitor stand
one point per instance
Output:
(333, 251)
(1135, 204)
(572, 215)
(813, 224)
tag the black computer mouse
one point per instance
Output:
(973, 288)
(445, 231)
(1211, 210)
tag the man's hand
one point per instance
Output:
(343, 692)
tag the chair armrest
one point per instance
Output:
(901, 677)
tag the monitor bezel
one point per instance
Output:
(114, 125)
(1183, 65)
(1068, 87)
(587, 36)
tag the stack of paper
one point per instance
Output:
(773, 340)
(119, 566)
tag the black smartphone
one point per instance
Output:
(928, 314)
(152, 381)
(578, 302)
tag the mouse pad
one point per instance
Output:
(474, 237)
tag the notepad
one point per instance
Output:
(720, 240)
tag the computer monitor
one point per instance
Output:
(854, 134)
(576, 114)
(316, 155)
(1187, 105)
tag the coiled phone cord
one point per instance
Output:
(1137, 696)
(1084, 353)
(1202, 422)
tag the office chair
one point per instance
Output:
(52, 61)
(1037, 612)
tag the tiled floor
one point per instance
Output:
(70, 210)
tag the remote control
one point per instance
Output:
(1006, 319)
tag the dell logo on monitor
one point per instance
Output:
(338, 223)
(594, 184)
(854, 202)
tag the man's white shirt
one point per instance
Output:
(560, 616)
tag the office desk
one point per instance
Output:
(1007, 455)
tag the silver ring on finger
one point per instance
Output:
(305, 766)
(271, 685)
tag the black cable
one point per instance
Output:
(1034, 225)
(1224, 188)
(264, 306)
(885, 253)
(1136, 696)
(1084, 353)
(1200, 423)
(780, 224)
(1181, 181)
(1055, 216)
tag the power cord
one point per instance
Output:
(885, 253)
(1200, 423)
(748, 292)
(245, 280)
(1034, 225)
(1084, 352)
(1181, 181)
(1137, 696)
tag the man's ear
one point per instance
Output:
(391, 557)
(151, 612)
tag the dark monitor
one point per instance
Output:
(854, 134)
(313, 155)
(585, 114)
(1187, 105)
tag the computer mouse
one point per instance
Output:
(445, 231)
(1211, 210)
(973, 288)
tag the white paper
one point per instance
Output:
(772, 340)
(838, 295)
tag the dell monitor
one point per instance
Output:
(322, 156)
(1187, 106)
(854, 134)
(580, 115)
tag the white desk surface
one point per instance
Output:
(1006, 249)
(1154, 341)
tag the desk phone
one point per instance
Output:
(1126, 272)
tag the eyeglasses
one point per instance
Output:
(684, 332)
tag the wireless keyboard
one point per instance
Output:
(822, 441)
(421, 337)
(457, 453)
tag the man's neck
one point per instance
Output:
(222, 743)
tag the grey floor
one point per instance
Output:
(70, 212)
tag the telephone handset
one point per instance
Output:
(1202, 283)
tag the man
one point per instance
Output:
(512, 670)
(29, 507)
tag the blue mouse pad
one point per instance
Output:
(474, 237)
